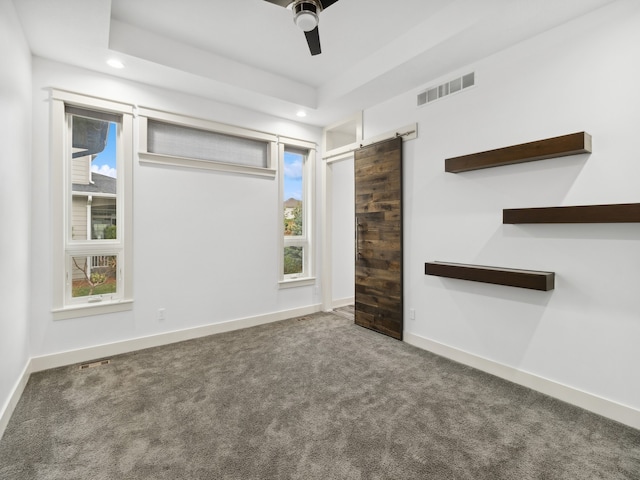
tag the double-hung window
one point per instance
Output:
(92, 157)
(297, 160)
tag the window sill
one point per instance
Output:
(78, 311)
(158, 159)
(297, 282)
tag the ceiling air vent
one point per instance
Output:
(452, 86)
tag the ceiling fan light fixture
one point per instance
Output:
(306, 21)
(305, 15)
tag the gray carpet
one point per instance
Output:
(309, 398)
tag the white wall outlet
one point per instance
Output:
(162, 314)
(412, 313)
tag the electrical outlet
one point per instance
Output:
(162, 314)
(412, 313)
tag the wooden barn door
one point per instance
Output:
(378, 269)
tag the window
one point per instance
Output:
(92, 155)
(178, 140)
(296, 179)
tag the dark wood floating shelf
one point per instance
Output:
(565, 145)
(615, 213)
(531, 279)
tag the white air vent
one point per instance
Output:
(452, 86)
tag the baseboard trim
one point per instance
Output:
(343, 302)
(10, 404)
(601, 406)
(72, 357)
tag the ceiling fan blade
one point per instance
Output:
(313, 39)
(325, 3)
(282, 3)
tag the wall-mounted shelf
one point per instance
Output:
(615, 213)
(531, 279)
(572, 144)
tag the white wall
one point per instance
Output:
(205, 243)
(342, 231)
(584, 334)
(15, 194)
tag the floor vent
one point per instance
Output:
(452, 86)
(99, 363)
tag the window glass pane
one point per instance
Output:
(103, 219)
(293, 193)
(187, 142)
(93, 275)
(93, 178)
(293, 260)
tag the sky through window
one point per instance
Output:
(105, 161)
(292, 175)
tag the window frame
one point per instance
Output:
(64, 247)
(308, 201)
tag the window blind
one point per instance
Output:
(180, 141)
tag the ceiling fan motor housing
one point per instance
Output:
(305, 14)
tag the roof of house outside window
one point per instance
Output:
(101, 184)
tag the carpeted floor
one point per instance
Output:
(346, 312)
(309, 398)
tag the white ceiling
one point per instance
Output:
(249, 52)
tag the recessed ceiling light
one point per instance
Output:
(301, 113)
(115, 63)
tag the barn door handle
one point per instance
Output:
(358, 225)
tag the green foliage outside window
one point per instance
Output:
(293, 222)
(293, 260)
(293, 256)
(110, 232)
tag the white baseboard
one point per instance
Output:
(12, 401)
(72, 357)
(343, 302)
(607, 408)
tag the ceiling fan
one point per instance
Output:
(305, 16)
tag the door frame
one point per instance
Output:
(408, 132)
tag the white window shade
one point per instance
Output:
(179, 141)
(172, 139)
